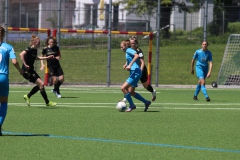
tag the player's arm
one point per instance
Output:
(42, 65)
(210, 69)
(136, 56)
(142, 63)
(44, 58)
(125, 65)
(192, 65)
(58, 57)
(16, 65)
(22, 54)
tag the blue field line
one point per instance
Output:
(125, 142)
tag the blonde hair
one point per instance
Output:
(33, 39)
(134, 38)
(2, 33)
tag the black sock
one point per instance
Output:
(44, 95)
(149, 88)
(59, 84)
(33, 91)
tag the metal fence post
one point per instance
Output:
(109, 42)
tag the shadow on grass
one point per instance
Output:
(25, 135)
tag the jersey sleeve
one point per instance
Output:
(140, 53)
(12, 53)
(58, 51)
(44, 51)
(210, 57)
(195, 55)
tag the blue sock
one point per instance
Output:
(129, 99)
(3, 112)
(204, 90)
(198, 88)
(140, 98)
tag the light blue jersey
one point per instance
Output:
(202, 57)
(6, 52)
(202, 62)
(129, 57)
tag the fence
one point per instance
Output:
(177, 25)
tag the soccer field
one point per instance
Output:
(86, 125)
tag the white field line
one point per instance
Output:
(112, 105)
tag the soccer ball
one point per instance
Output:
(121, 106)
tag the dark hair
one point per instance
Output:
(2, 33)
(205, 41)
(54, 41)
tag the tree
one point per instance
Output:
(146, 7)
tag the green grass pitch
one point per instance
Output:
(86, 125)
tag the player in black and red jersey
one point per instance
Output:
(53, 65)
(28, 57)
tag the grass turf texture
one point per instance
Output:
(86, 125)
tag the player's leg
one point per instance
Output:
(127, 95)
(147, 86)
(4, 91)
(203, 87)
(201, 74)
(40, 84)
(31, 76)
(140, 98)
(59, 78)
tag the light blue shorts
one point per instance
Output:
(4, 85)
(201, 72)
(134, 77)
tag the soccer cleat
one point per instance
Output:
(58, 95)
(147, 104)
(55, 92)
(154, 94)
(51, 104)
(27, 100)
(195, 98)
(208, 99)
(131, 108)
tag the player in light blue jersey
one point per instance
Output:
(128, 88)
(6, 53)
(203, 69)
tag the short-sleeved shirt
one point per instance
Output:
(202, 57)
(6, 52)
(47, 51)
(129, 57)
(30, 58)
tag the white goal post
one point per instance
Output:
(229, 74)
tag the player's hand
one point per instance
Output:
(128, 68)
(208, 75)
(27, 67)
(50, 57)
(124, 66)
(58, 57)
(42, 67)
(192, 71)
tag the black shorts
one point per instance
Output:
(55, 71)
(144, 77)
(31, 75)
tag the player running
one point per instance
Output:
(28, 57)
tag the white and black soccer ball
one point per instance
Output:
(121, 106)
